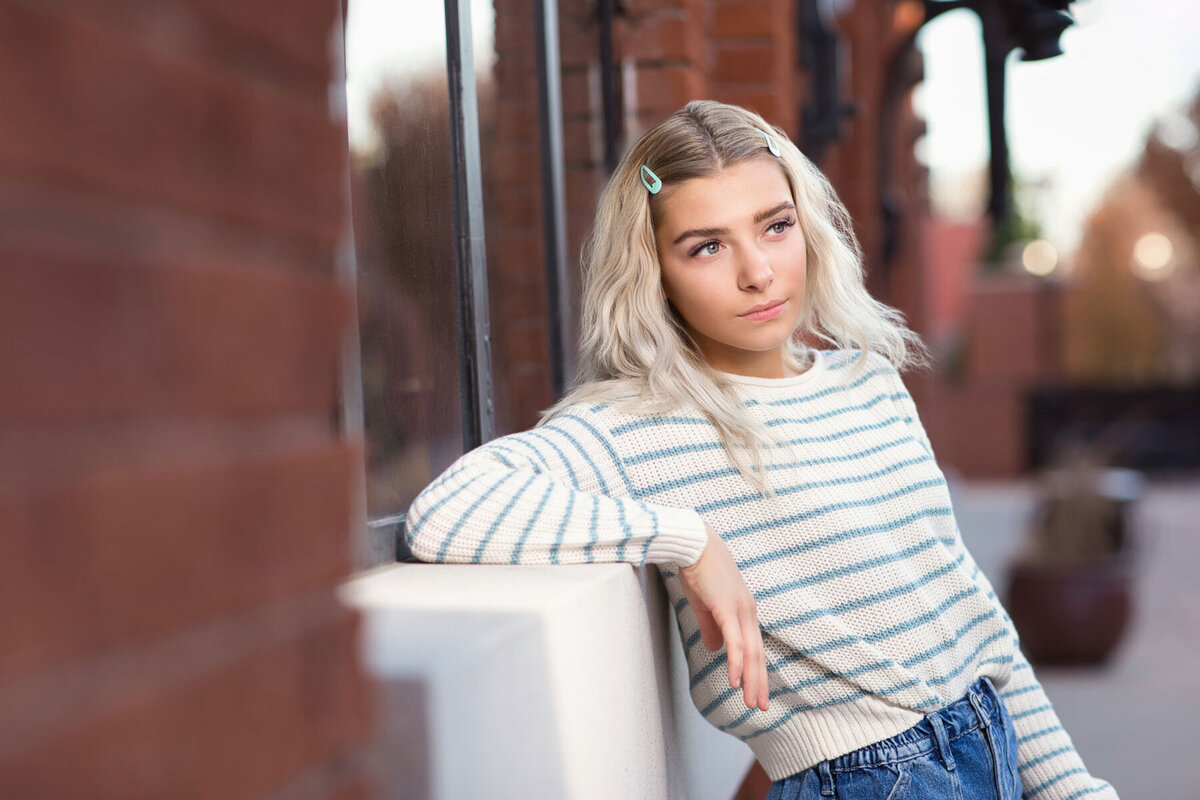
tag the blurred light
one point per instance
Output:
(1039, 257)
(921, 151)
(1154, 256)
(919, 99)
(908, 16)
(1178, 132)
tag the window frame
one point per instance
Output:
(381, 540)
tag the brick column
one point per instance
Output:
(754, 53)
(174, 492)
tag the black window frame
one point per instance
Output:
(382, 539)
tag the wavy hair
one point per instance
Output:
(634, 350)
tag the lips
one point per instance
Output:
(764, 310)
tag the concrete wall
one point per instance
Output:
(559, 682)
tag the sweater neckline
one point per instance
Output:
(814, 370)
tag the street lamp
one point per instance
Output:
(1034, 27)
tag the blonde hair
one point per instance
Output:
(634, 350)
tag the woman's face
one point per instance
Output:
(733, 264)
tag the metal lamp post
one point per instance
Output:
(1033, 26)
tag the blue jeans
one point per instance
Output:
(966, 751)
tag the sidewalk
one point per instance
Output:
(1136, 720)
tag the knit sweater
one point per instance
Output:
(872, 610)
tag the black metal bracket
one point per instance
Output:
(821, 55)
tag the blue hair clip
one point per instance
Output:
(654, 184)
(774, 148)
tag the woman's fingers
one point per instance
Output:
(763, 697)
(726, 613)
(733, 652)
(754, 667)
(764, 689)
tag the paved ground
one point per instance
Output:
(1135, 721)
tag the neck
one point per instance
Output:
(768, 365)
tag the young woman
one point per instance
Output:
(831, 616)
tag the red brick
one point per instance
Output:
(978, 430)
(239, 338)
(578, 97)
(517, 120)
(521, 299)
(744, 64)
(582, 142)
(520, 56)
(506, 247)
(512, 161)
(639, 7)
(578, 43)
(147, 123)
(358, 789)
(514, 21)
(582, 191)
(106, 341)
(525, 340)
(663, 38)
(305, 36)
(759, 100)
(514, 272)
(665, 89)
(37, 217)
(747, 19)
(577, 12)
(510, 200)
(130, 540)
(518, 213)
(241, 35)
(353, 774)
(528, 393)
(235, 732)
(1005, 325)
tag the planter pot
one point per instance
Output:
(1071, 613)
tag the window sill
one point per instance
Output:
(557, 681)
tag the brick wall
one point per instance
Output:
(978, 422)
(174, 492)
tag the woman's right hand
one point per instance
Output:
(728, 614)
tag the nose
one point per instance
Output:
(756, 273)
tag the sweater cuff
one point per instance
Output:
(681, 538)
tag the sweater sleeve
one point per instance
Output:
(1048, 763)
(556, 494)
(1049, 766)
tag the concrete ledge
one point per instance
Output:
(555, 682)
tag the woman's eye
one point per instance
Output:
(707, 249)
(780, 226)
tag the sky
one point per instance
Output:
(1074, 122)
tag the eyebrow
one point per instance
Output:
(761, 216)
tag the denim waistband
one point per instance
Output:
(978, 708)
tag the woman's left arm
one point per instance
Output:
(1048, 763)
(1049, 766)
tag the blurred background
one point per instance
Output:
(270, 267)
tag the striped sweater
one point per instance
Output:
(873, 612)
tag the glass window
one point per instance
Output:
(401, 187)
